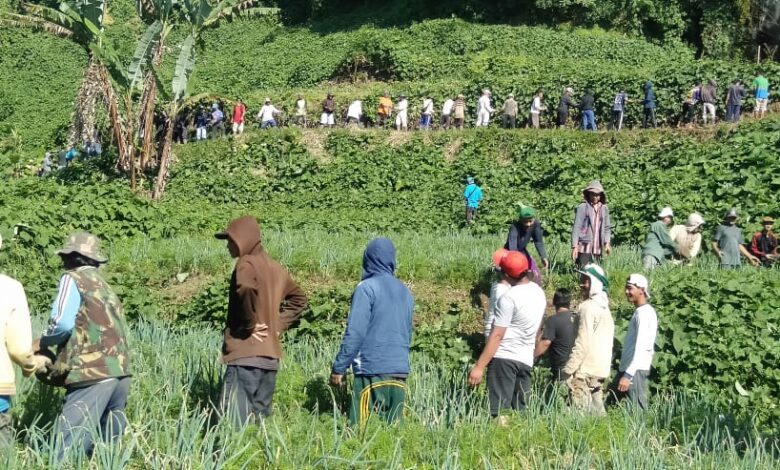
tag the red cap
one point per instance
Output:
(514, 264)
(498, 255)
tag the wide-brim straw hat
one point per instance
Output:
(85, 244)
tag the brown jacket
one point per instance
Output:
(261, 291)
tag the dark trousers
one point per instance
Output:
(585, 258)
(93, 409)
(562, 118)
(649, 118)
(248, 392)
(446, 121)
(732, 112)
(616, 123)
(509, 122)
(380, 395)
(471, 213)
(637, 393)
(509, 384)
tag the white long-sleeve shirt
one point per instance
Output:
(639, 345)
(427, 107)
(355, 109)
(484, 104)
(592, 351)
(268, 112)
(401, 107)
(446, 109)
(536, 105)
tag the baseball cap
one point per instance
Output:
(666, 212)
(498, 255)
(640, 282)
(514, 264)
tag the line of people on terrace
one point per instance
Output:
(85, 350)
(700, 100)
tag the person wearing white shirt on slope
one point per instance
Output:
(639, 345)
(267, 114)
(484, 110)
(402, 113)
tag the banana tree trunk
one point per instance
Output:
(149, 99)
(165, 156)
(88, 97)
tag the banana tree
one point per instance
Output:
(82, 22)
(197, 16)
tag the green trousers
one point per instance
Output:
(376, 394)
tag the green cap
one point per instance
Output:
(526, 212)
(85, 244)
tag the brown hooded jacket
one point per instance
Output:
(261, 292)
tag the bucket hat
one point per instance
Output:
(85, 244)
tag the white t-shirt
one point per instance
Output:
(427, 106)
(536, 105)
(496, 291)
(446, 109)
(355, 109)
(267, 112)
(402, 106)
(520, 310)
(300, 107)
(484, 104)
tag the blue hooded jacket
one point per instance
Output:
(379, 327)
(649, 100)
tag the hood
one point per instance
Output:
(379, 258)
(595, 185)
(648, 85)
(599, 284)
(245, 233)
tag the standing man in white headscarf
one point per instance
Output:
(484, 109)
(589, 362)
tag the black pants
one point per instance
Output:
(509, 384)
(562, 118)
(649, 117)
(247, 392)
(616, 123)
(637, 393)
(509, 122)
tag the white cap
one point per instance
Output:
(666, 212)
(640, 282)
(694, 220)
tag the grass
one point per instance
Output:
(173, 422)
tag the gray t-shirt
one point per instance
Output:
(729, 238)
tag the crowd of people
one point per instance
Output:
(85, 350)
(701, 100)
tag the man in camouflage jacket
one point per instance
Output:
(89, 332)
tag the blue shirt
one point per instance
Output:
(64, 310)
(472, 194)
(5, 403)
(379, 326)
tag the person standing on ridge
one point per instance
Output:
(472, 195)
(618, 110)
(301, 113)
(484, 109)
(648, 103)
(728, 243)
(263, 303)
(509, 350)
(239, 111)
(659, 244)
(327, 118)
(591, 232)
(385, 109)
(377, 339)
(761, 88)
(446, 113)
(564, 105)
(764, 243)
(521, 233)
(537, 106)
(558, 335)
(87, 316)
(509, 112)
(355, 113)
(459, 111)
(638, 346)
(426, 118)
(217, 121)
(589, 362)
(267, 114)
(402, 113)
(587, 102)
(201, 123)
(734, 96)
(709, 96)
